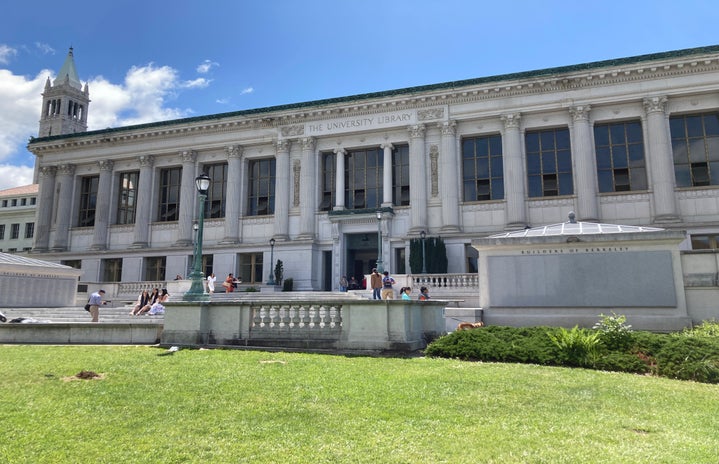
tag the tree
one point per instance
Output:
(435, 255)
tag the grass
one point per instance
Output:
(222, 406)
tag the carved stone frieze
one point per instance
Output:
(624, 198)
(296, 168)
(434, 168)
(293, 131)
(429, 114)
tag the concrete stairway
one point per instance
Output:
(108, 314)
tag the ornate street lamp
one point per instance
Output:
(380, 269)
(423, 235)
(197, 289)
(271, 280)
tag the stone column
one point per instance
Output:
(417, 179)
(662, 163)
(65, 181)
(187, 199)
(584, 163)
(282, 190)
(141, 232)
(514, 173)
(387, 175)
(232, 196)
(340, 180)
(449, 171)
(102, 206)
(43, 215)
(308, 189)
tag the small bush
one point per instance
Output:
(287, 284)
(614, 333)
(251, 289)
(578, 347)
(689, 358)
(705, 329)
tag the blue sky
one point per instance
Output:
(154, 60)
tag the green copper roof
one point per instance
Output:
(398, 92)
(68, 70)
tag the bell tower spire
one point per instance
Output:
(64, 102)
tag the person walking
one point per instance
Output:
(423, 294)
(211, 283)
(95, 302)
(405, 293)
(387, 291)
(375, 281)
(343, 284)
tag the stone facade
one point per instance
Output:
(461, 160)
(17, 218)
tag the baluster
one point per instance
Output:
(294, 316)
(256, 317)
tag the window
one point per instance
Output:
(73, 263)
(705, 241)
(112, 270)
(251, 267)
(127, 198)
(215, 203)
(261, 197)
(29, 229)
(14, 231)
(363, 178)
(169, 206)
(329, 169)
(23, 201)
(33, 200)
(695, 146)
(549, 163)
(2, 231)
(155, 268)
(4, 203)
(400, 175)
(13, 202)
(88, 201)
(620, 157)
(482, 168)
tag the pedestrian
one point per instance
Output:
(95, 301)
(211, 283)
(405, 293)
(229, 283)
(343, 284)
(387, 291)
(375, 281)
(423, 294)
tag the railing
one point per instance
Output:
(444, 280)
(314, 318)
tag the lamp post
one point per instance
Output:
(379, 266)
(271, 280)
(423, 235)
(197, 289)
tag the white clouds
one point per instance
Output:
(6, 53)
(199, 83)
(45, 48)
(206, 66)
(14, 176)
(247, 90)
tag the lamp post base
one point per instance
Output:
(197, 289)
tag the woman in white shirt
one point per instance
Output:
(211, 283)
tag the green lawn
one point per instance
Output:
(231, 406)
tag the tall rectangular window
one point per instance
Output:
(620, 156)
(88, 201)
(261, 195)
(155, 268)
(695, 145)
(112, 270)
(482, 168)
(400, 175)
(2, 231)
(215, 203)
(127, 198)
(549, 163)
(251, 268)
(169, 198)
(329, 181)
(363, 178)
(29, 229)
(14, 231)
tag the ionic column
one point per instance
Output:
(187, 197)
(282, 190)
(449, 171)
(43, 215)
(662, 165)
(584, 163)
(417, 179)
(387, 174)
(514, 172)
(64, 181)
(308, 189)
(232, 204)
(102, 208)
(141, 232)
(340, 179)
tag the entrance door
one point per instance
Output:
(361, 255)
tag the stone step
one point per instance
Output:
(75, 314)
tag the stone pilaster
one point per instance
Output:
(145, 198)
(232, 196)
(417, 179)
(585, 165)
(661, 161)
(514, 173)
(449, 175)
(64, 181)
(187, 196)
(308, 188)
(282, 190)
(102, 207)
(387, 174)
(43, 215)
(340, 179)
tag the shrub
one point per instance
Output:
(251, 289)
(705, 329)
(689, 358)
(614, 333)
(578, 347)
(287, 284)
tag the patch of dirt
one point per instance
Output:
(85, 375)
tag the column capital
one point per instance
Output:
(146, 161)
(308, 143)
(416, 131)
(66, 169)
(47, 171)
(511, 120)
(188, 156)
(106, 165)
(655, 104)
(282, 146)
(580, 112)
(386, 146)
(448, 127)
(234, 151)
(340, 151)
